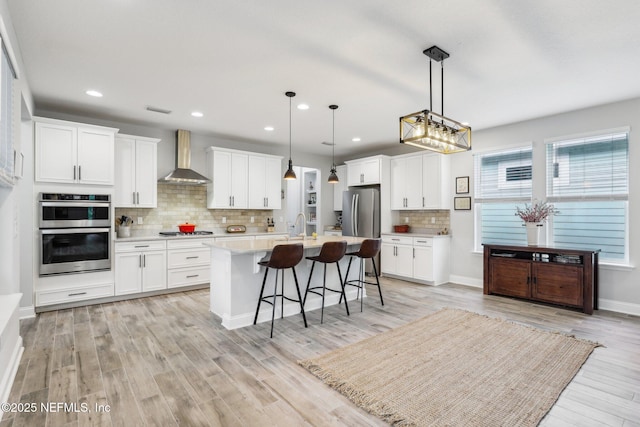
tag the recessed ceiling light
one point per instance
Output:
(95, 93)
(197, 114)
(303, 107)
(268, 128)
(465, 123)
(356, 139)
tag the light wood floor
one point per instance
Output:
(166, 360)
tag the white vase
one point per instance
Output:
(533, 233)
(124, 231)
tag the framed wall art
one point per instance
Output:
(462, 185)
(462, 203)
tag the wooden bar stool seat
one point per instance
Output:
(369, 249)
(282, 257)
(330, 252)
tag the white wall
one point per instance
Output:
(619, 287)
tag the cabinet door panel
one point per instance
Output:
(221, 176)
(239, 180)
(371, 171)
(560, 284)
(398, 183)
(146, 175)
(423, 263)
(387, 258)
(273, 182)
(56, 154)
(125, 171)
(510, 277)
(340, 187)
(128, 273)
(95, 157)
(257, 192)
(154, 271)
(404, 261)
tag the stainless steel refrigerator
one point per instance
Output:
(361, 216)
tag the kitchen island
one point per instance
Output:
(236, 278)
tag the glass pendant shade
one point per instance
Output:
(290, 174)
(333, 177)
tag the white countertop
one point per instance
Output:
(416, 234)
(266, 245)
(156, 236)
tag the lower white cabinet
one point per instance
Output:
(397, 255)
(188, 262)
(140, 266)
(420, 259)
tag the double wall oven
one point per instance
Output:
(75, 233)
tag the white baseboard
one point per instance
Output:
(619, 306)
(466, 281)
(26, 312)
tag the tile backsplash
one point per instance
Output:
(421, 220)
(186, 203)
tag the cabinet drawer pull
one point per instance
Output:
(141, 246)
(79, 173)
(74, 173)
(193, 257)
(76, 294)
(395, 240)
(192, 276)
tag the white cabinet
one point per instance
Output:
(229, 173)
(436, 181)
(406, 183)
(140, 266)
(420, 181)
(364, 171)
(420, 259)
(188, 262)
(136, 173)
(339, 187)
(73, 153)
(397, 256)
(264, 181)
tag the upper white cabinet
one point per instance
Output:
(264, 181)
(339, 187)
(136, 172)
(436, 181)
(74, 153)
(406, 183)
(420, 181)
(366, 171)
(243, 180)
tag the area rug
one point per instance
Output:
(455, 368)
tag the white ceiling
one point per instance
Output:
(233, 60)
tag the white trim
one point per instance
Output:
(28, 312)
(603, 132)
(472, 282)
(4, 36)
(500, 150)
(10, 372)
(619, 306)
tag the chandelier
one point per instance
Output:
(431, 131)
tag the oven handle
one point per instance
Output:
(74, 230)
(87, 204)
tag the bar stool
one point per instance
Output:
(331, 252)
(369, 249)
(282, 257)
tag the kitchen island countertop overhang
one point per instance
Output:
(236, 278)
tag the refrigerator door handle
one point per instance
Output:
(355, 213)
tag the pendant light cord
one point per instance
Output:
(290, 128)
(333, 145)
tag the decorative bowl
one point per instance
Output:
(404, 228)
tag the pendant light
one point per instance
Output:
(290, 174)
(431, 131)
(333, 177)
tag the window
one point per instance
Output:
(7, 76)
(588, 181)
(502, 181)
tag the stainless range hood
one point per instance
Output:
(183, 174)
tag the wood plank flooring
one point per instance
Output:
(166, 360)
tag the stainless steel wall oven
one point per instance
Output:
(75, 233)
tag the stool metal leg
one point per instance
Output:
(375, 271)
(266, 271)
(308, 283)
(295, 278)
(361, 283)
(273, 311)
(346, 305)
(324, 287)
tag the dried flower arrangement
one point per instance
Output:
(536, 211)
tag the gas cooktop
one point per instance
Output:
(178, 233)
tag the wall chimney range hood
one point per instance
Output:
(183, 174)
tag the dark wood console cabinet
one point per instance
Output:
(566, 277)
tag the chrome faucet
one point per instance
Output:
(304, 224)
